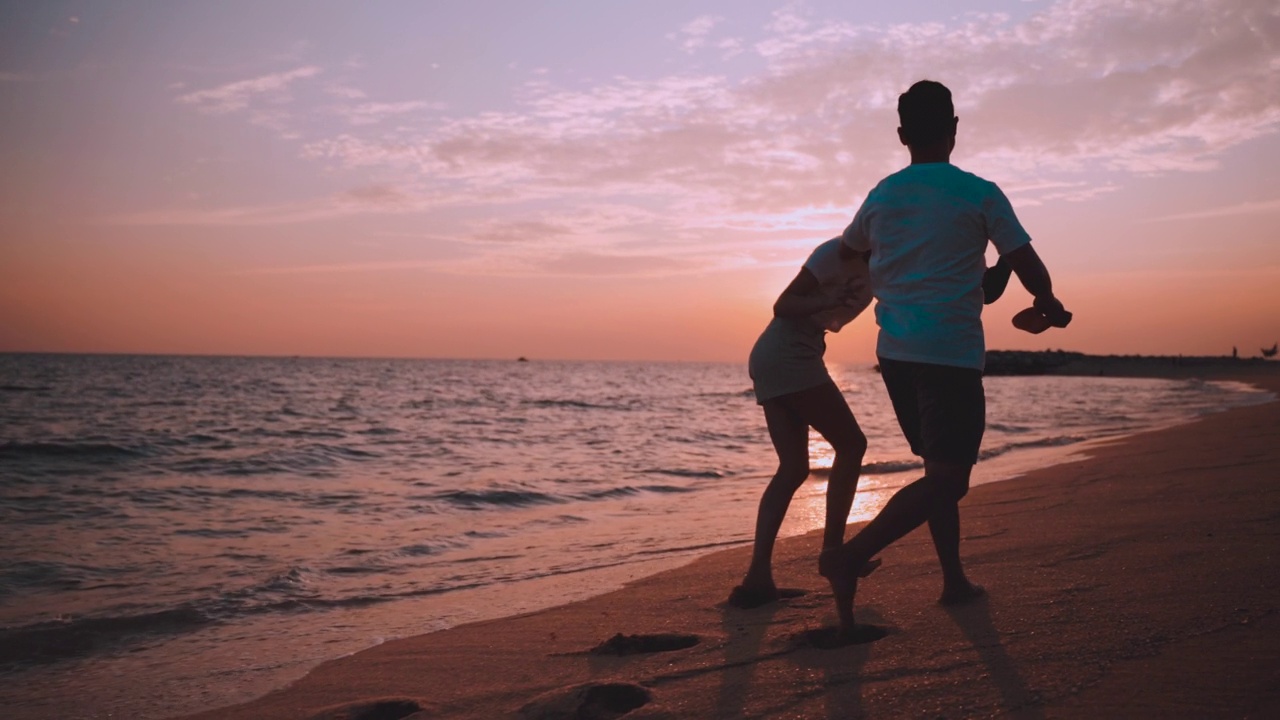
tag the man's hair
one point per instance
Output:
(925, 113)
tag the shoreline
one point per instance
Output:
(493, 668)
(243, 657)
(1063, 362)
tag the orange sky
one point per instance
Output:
(466, 182)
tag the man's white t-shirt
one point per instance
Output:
(845, 280)
(927, 228)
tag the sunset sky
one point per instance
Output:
(609, 180)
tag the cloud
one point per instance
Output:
(693, 35)
(603, 264)
(730, 47)
(246, 215)
(520, 231)
(371, 113)
(17, 77)
(345, 92)
(1248, 208)
(237, 95)
(1061, 106)
(338, 268)
(1085, 86)
(378, 198)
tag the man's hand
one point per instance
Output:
(1047, 312)
(1053, 311)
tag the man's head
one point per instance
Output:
(926, 115)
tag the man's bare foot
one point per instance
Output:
(961, 594)
(830, 558)
(842, 572)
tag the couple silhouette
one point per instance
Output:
(918, 246)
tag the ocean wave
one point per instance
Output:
(359, 570)
(891, 466)
(311, 433)
(678, 472)
(60, 639)
(52, 641)
(312, 460)
(748, 393)
(1008, 428)
(665, 489)
(609, 493)
(29, 574)
(897, 466)
(423, 549)
(577, 405)
(25, 388)
(1049, 442)
(80, 451)
(379, 431)
(630, 490)
(474, 499)
(211, 533)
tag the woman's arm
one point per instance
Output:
(802, 297)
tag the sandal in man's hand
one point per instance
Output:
(1047, 312)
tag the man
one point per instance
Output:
(926, 228)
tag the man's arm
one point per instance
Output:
(994, 281)
(1031, 271)
(1034, 276)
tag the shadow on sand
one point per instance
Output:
(975, 622)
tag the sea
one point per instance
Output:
(183, 533)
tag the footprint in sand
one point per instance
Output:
(382, 709)
(830, 638)
(592, 701)
(640, 644)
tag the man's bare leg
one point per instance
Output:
(944, 528)
(908, 509)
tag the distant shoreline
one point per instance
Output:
(1062, 362)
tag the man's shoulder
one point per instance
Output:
(887, 186)
(933, 173)
(932, 177)
(961, 176)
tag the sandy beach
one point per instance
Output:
(1140, 581)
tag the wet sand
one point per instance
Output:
(1141, 581)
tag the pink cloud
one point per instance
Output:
(693, 36)
(237, 95)
(1063, 106)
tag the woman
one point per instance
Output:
(792, 386)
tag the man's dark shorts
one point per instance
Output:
(942, 409)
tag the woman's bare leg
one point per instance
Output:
(790, 436)
(789, 418)
(825, 409)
